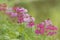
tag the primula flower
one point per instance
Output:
(29, 19)
(30, 24)
(33, 19)
(45, 28)
(20, 18)
(14, 8)
(40, 28)
(51, 33)
(37, 31)
(26, 17)
(51, 27)
(48, 22)
(41, 25)
(13, 14)
(21, 10)
(10, 12)
(42, 31)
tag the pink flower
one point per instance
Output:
(30, 24)
(51, 33)
(51, 27)
(14, 8)
(48, 22)
(37, 31)
(20, 18)
(27, 19)
(33, 19)
(42, 31)
(21, 10)
(45, 28)
(41, 25)
(13, 14)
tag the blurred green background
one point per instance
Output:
(40, 9)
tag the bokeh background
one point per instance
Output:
(40, 9)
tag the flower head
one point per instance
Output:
(30, 24)
(45, 28)
(21, 10)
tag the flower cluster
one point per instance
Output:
(20, 13)
(46, 28)
(22, 16)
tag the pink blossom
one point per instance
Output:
(32, 18)
(13, 14)
(21, 10)
(27, 19)
(37, 31)
(42, 31)
(51, 27)
(30, 24)
(48, 22)
(20, 18)
(26, 15)
(51, 33)
(15, 7)
(41, 25)
(45, 28)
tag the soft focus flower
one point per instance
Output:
(21, 15)
(41, 25)
(30, 24)
(42, 31)
(26, 15)
(13, 14)
(48, 22)
(51, 27)
(45, 28)
(14, 8)
(33, 19)
(37, 31)
(21, 10)
(27, 19)
(20, 18)
(51, 33)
